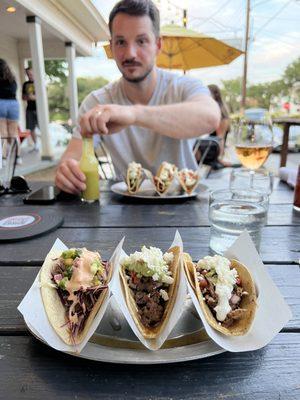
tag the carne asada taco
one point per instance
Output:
(149, 280)
(134, 177)
(73, 288)
(226, 293)
(164, 177)
(188, 179)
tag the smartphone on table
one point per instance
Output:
(44, 195)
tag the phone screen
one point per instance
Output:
(46, 194)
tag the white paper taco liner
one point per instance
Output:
(154, 344)
(32, 308)
(181, 185)
(173, 190)
(272, 312)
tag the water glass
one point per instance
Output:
(260, 180)
(233, 211)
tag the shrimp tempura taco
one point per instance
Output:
(149, 280)
(226, 293)
(73, 288)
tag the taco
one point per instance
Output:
(134, 177)
(226, 293)
(164, 177)
(149, 280)
(188, 179)
(73, 288)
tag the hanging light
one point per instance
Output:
(11, 9)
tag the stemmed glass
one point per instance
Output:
(253, 143)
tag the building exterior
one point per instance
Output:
(40, 29)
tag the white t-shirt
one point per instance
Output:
(140, 144)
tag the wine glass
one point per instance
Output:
(253, 143)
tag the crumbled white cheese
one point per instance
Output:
(133, 169)
(168, 257)
(149, 262)
(164, 294)
(226, 278)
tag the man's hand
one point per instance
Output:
(69, 177)
(107, 119)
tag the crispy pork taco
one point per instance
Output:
(164, 177)
(149, 280)
(73, 288)
(188, 179)
(134, 177)
(226, 293)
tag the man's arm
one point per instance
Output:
(69, 177)
(192, 118)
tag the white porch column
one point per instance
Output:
(37, 55)
(72, 82)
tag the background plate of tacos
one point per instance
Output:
(147, 191)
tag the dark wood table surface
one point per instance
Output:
(31, 370)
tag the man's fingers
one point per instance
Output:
(64, 184)
(68, 174)
(74, 167)
(85, 125)
(102, 122)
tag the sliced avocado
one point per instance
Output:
(62, 283)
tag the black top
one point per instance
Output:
(28, 88)
(8, 89)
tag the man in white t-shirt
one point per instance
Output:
(148, 114)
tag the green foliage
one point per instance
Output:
(231, 93)
(56, 70)
(260, 95)
(292, 73)
(58, 100)
(87, 85)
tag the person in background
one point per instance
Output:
(148, 115)
(9, 109)
(28, 94)
(223, 129)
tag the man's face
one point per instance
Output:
(30, 74)
(134, 46)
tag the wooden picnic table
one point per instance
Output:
(32, 370)
(287, 123)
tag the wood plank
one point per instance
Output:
(31, 370)
(16, 281)
(279, 244)
(282, 193)
(125, 214)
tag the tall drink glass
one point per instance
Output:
(90, 167)
(231, 212)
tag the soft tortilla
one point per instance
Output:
(158, 181)
(138, 182)
(153, 333)
(54, 308)
(190, 189)
(241, 326)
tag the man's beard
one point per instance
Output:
(139, 78)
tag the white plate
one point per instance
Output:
(146, 191)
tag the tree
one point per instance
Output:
(56, 70)
(292, 73)
(232, 93)
(58, 95)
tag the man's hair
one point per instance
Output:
(137, 8)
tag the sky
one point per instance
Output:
(274, 36)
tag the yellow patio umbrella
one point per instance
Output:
(186, 49)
